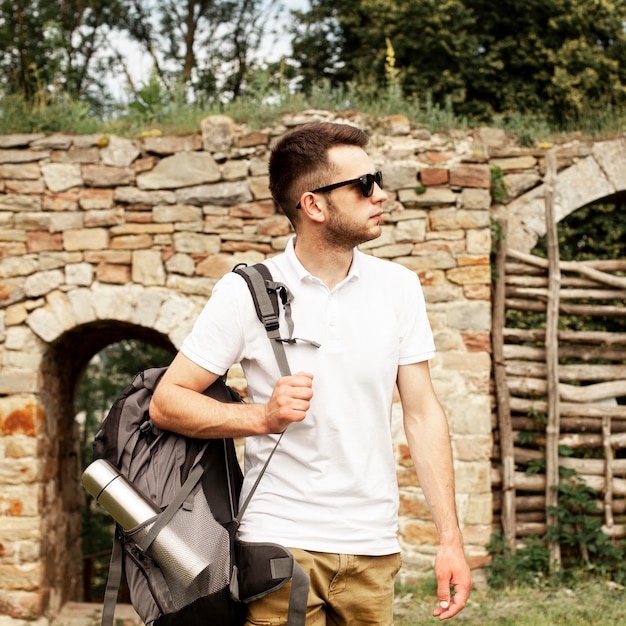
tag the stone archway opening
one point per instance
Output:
(63, 364)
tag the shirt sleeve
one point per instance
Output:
(216, 340)
(417, 342)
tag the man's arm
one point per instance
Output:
(178, 404)
(428, 437)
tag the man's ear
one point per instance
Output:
(312, 207)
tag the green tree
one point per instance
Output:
(559, 59)
(50, 47)
(104, 378)
(209, 46)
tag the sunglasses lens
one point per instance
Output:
(367, 183)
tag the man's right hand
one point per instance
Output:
(290, 401)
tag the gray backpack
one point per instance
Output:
(175, 503)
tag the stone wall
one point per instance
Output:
(103, 238)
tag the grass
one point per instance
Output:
(591, 603)
(157, 110)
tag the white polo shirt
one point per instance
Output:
(331, 486)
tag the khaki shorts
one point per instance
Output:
(345, 589)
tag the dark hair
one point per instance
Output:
(299, 161)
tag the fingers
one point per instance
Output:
(290, 401)
(451, 570)
(450, 606)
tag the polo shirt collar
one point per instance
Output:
(302, 273)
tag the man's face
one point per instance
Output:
(352, 218)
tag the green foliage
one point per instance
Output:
(46, 114)
(579, 533)
(593, 232)
(106, 375)
(529, 565)
(49, 48)
(498, 184)
(559, 60)
(585, 549)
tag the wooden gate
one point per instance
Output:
(561, 393)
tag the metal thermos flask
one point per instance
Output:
(129, 509)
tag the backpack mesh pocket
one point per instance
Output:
(205, 566)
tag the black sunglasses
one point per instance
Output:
(366, 183)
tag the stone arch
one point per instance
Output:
(61, 337)
(62, 364)
(600, 175)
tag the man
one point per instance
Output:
(330, 492)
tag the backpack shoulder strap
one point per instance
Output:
(265, 297)
(114, 581)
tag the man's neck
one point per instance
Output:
(330, 264)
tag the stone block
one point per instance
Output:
(419, 532)
(259, 186)
(61, 176)
(410, 231)
(217, 133)
(196, 243)
(23, 171)
(147, 307)
(238, 170)
(227, 194)
(164, 213)
(191, 286)
(106, 176)
(41, 283)
(86, 239)
(23, 156)
(21, 415)
(184, 169)
(119, 152)
(79, 274)
(432, 176)
(476, 199)
(24, 186)
(472, 447)
(400, 174)
(170, 145)
(131, 242)
(477, 292)
(132, 195)
(93, 199)
(19, 202)
(275, 226)
(433, 196)
(18, 266)
(113, 274)
(470, 275)
(60, 222)
(176, 311)
(147, 268)
(112, 301)
(83, 305)
(478, 241)
(515, 163)
(23, 608)
(469, 175)
(39, 241)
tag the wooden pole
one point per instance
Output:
(552, 358)
(507, 457)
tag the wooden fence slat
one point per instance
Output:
(503, 410)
